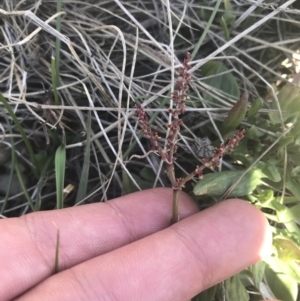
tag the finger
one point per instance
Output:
(173, 264)
(28, 244)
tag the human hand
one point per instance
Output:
(125, 250)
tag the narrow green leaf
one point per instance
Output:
(225, 28)
(84, 177)
(235, 290)
(236, 114)
(12, 168)
(58, 43)
(56, 265)
(23, 134)
(23, 185)
(206, 29)
(60, 166)
(127, 183)
(216, 184)
(54, 80)
(255, 107)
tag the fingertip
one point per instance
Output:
(256, 223)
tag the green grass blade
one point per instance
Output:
(56, 262)
(20, 177)
(60, 166)
(36, 171)
(13, 162)
(82, 188)
(42, 183)
(206, 29)
(54, 80)
(58, 42)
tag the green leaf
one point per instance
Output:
(265, 196)
(216, 184)
(207, 295)
(293, 186)
(229, 15)
(253, 133)
(295, 173)
(36, 171)
(235, 290)
(225, 28)
(127, 183)
(60, 167)
(287, 250)
(258, 271)
(289, 100)
(285, 141)
(84, 177)
(289, 214)
(225, 82)
(147, 174)
(272, 172)
(236, 114)
(255, 107)
(283, 286)
(56, 262)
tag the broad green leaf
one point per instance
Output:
(225, 82)
(285, 141)
(287, 249)
(254, 133)
(147, 174)
(235, 115)
(272, 172)
(295, 173)
(289, 100)
(130, 187)
(293, 186)
(258, 271)
(283, 286)
(60, 167)
(289, 214)
(235, 290)
(207, 295)
(265, 196)
(216, 184)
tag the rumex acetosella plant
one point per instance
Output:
(167, 154)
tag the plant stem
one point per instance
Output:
(175, 207)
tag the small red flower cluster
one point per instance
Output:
(179, 97)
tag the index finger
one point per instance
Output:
(27, 249)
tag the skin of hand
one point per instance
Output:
(125, 249)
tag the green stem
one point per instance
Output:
(175, 217)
